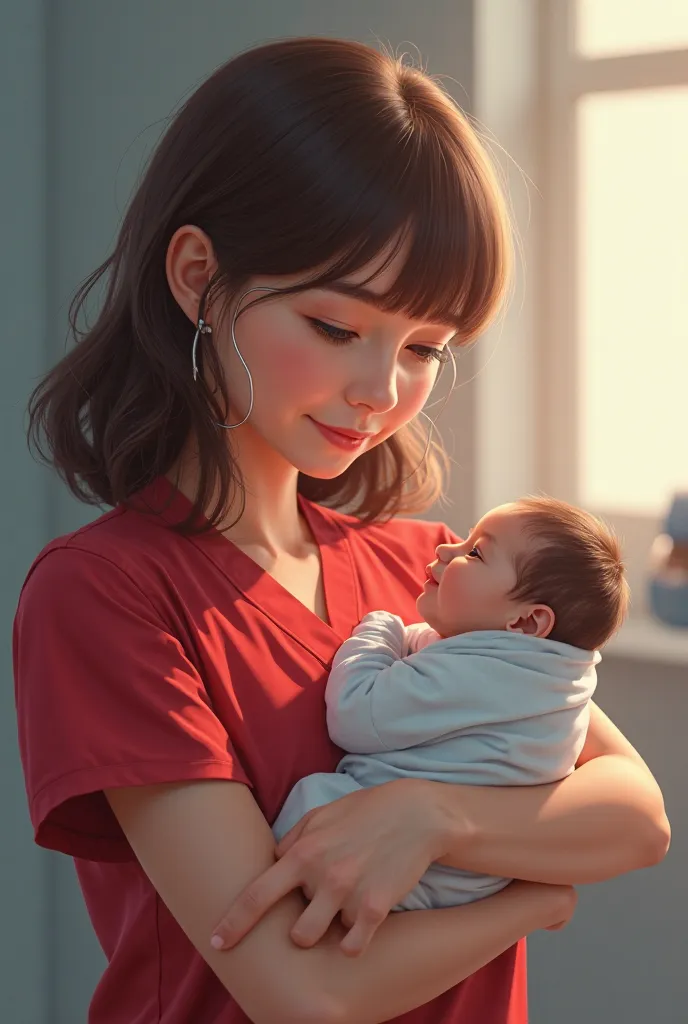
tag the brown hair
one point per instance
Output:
(575, 567)
(300, 154)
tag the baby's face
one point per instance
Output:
(468, 583)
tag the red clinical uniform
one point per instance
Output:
(142, 657)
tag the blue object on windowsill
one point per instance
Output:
(668, 584)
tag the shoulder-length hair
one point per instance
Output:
(300, 154)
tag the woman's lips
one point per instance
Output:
(349, 441)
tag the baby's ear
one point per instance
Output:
(535, 620)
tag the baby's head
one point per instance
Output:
(536, 566)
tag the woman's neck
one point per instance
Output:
(270, 520)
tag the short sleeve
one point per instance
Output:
(106, 697)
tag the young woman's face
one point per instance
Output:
(326, 366)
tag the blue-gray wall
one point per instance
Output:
(86, 88)
(24, 509)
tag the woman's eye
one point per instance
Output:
(341, 335)
(329, 331)
(428, 354)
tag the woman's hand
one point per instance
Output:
(357, 857)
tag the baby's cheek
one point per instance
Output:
(454, 584)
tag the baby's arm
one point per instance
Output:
(492, 689)
(418, 636)
(371, 657)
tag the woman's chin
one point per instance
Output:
(322, 470)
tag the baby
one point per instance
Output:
(493, 689)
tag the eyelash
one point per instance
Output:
(425, 353)
(475, 549)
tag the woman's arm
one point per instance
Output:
(201, 843)
(603, 820)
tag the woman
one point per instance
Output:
(316, 227)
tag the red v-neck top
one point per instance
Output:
(145, 657)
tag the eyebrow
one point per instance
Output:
(358, 291)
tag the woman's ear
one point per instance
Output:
(189, 265)
(536, 620)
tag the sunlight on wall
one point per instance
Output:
(612, 27)
(632, 292)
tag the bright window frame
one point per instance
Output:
(529, 78)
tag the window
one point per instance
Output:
(614, 327)
(607, 28)
(589, 369)
(632, 296)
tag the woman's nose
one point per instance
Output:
(375, 385)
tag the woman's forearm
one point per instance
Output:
(605, 819)
(417, 955)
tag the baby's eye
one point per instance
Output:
(475, 553)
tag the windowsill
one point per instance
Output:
(645, 639)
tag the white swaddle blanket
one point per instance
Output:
(486, 708)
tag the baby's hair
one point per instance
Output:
(575, 567)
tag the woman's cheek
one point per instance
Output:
(413, 394)
(294, 367)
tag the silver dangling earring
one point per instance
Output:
(204, 328)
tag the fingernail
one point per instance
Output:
(217, 942)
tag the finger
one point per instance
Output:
(288, 840)
(359, 936)
(316, 919)
(255, 900)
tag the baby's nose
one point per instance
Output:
(445, 552)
